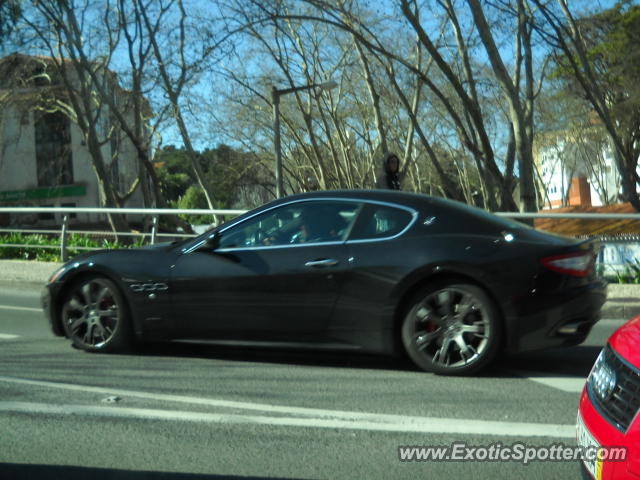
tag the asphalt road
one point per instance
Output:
(192, 412)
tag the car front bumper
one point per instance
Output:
(606, 435)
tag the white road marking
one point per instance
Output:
(294, 416)
(563, 383)
(566, 384)
(8, 336)
(20, 309)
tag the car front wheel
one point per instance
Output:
(452, 329)
(94, 316)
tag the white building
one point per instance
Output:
(44, 160)
(577, 170)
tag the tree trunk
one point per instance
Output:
(517, 112)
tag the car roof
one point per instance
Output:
(391, 196)
(424, 204)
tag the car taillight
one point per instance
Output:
(577, 264)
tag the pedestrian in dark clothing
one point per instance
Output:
(389, 178)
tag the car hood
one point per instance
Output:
(165, 246)
(626, 339)
(158, 246)
(123, 259)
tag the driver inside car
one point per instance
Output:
(321, 226)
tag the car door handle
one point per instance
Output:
(325, 262)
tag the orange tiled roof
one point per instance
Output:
(576, 227)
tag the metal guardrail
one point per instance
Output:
(154, 213)
(64, 231)
(592, 216)
(581, 216)
(205, 211)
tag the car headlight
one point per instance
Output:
(602, 378)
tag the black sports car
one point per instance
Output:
(374, 271)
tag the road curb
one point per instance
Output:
(614, 310)
(623, 301)
(20, 272)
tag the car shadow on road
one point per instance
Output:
(279, 355)
(569, 361)
(16, 471)
(561, 362)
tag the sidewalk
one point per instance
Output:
(26, 272)
(623, 301)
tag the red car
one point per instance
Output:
(608, 418)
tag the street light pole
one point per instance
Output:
(275, 101)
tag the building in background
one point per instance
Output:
(44, 160)
(619, 239)
(578, 174)
(576, 168)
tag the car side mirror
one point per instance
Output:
(211, 243)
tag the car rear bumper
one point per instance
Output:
(561, 319)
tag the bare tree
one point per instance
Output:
(177, 63)
(10, 11)
(563, 33)
(58, 29)
(394, 115)
(150, 37)
(335, 16)
(134, 117)
(520, 99)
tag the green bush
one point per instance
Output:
(53, 254)
(28, 253)
(630, 274)
(194, 197)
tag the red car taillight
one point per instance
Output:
(577, 264)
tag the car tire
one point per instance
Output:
(452, 328)
(95, 316)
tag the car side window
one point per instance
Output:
(301, 222)
(380, 221)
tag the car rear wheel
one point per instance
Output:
(94, 316)
(452, 329)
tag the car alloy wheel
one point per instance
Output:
(94, 316)
(452, 329)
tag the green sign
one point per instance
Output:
(43, 192)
